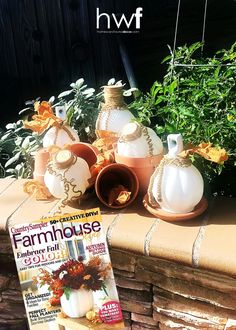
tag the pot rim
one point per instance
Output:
(127, 169)
(139, 162)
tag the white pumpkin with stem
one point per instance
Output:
(176, 185)
(138, 141)
(114, 113)
(67, 176)
(60, 136)
(78, 303)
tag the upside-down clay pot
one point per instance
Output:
(113, 175)
(86, 151)
(41, 159)
(142, 167)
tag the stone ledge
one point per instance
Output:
(207, 242)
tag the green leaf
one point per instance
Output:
(13, 159)
(88, 91)
(111, 81)
(67, 292)
(63, 94)
(25, 110)
(173, 86)
(79, 83)
(52, 99)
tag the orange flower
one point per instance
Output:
(102, 161)
(105, 143)
(206, 150)
(44, 118)
(37, 189)
(43, 107)
(118, 195)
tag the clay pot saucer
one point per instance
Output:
(168, 216)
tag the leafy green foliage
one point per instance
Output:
(16, 150)
(82, 105)
(67, 292)
(17, 144)
(197, 99)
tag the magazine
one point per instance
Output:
(65, 272)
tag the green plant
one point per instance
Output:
(197, 99)
(17, 144)
(82, 105)
(16, 147)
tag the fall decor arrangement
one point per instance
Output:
(134, 136)
(73, 282)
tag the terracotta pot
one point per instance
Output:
(113, 175)
(41, 159)
(79, 303)
(143, 168)
(85, 151)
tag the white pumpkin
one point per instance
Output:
(60, 136)
(181, 187)
(67, 172)
(114, 114)
(79, 303)
(137, 141)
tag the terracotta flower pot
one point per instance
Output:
(85, 151)
(143, 168)
(110, 177)
(79, 302)
(41, 159)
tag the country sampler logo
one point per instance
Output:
(119, 23)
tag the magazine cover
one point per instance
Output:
(65, 272)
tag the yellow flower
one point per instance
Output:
(206, 150)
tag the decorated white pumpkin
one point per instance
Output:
(138, 141)
(114, 113)
(62, 135)
(176, 185)
(78, 304)
(67, 176)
